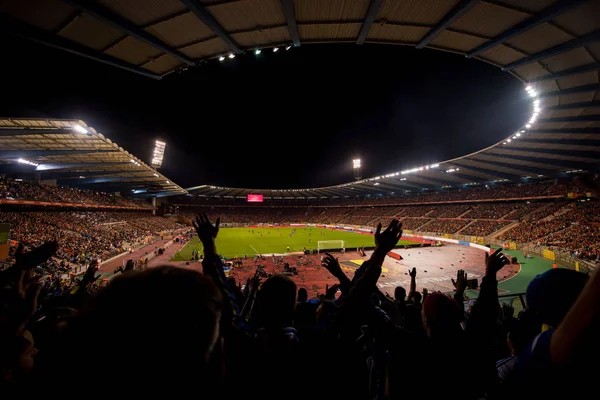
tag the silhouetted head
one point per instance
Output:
(400, 293)
(442, 316)
(302, 295)
(159, 325)
(277, 302)
(550, 295)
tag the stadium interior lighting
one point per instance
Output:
(156, 175)
(23, 161)
(518, 134)
(288, 47)
(158, 153)
(231, 55)
(80, 129)
(509, 140)
(376, 183)
(257, 51)
(356, 163)
(221, 58)
(410, 171)
(275, 49)
(528, 126)
(81, 177)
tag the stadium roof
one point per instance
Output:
(552, 45)
(76, 155)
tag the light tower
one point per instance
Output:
(356, 167)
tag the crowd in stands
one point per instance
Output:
(490, 211)
(86, 236)
(444, 225)
(11, 189)
(483, 227)
(173, 331)
(556, 188)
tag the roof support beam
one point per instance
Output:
(568, 72)
(501, 175)
(108, 17)
(579, 89)
(92, 181)
(544, 16)
(581, 118)
(565, 163)
(66, 166)
(67, 175)
(561, 48)
(36, 35)
(571, 106)
(290, 17)
(461, 9)
(534, 171)
(475, 164)
(28, 132)
(374, 7)
(207, 19)
(550, 154)
(37, 153)
(561, 144)
(567, 131)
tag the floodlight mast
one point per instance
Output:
(356, 166)
(158, 154)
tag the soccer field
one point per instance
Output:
(239, 241)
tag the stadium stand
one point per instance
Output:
(175, 331)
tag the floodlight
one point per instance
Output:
(257, 51)
(80, 129)
(356, 163)
(23, 161)
(275, 49)
(221, 58)
(232, 55)
(158, 153)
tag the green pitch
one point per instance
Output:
(239, 241)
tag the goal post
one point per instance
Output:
(330, 245)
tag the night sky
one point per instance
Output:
(289, 119)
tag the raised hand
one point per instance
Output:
(460, 284)
(332, 265)
(205, 229)
(412, 273)
(90, 273)
(494, 262)
(387, 240)
(36, 256)
(331, 291)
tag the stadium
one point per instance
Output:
(493, 251)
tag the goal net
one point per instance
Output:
(330, 245)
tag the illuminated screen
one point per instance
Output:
(255, 198)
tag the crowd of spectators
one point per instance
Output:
(86, 236)
(11, 189)
(444, 225)
(581, 240)
(175, 331)
(473, 193)
(483, 227)
(490, 211)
